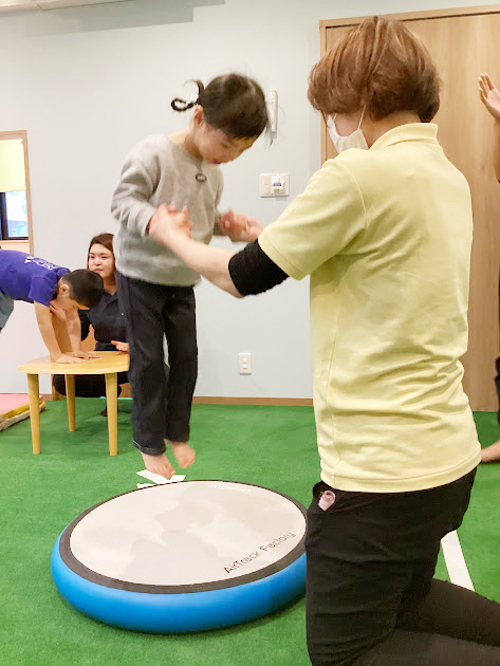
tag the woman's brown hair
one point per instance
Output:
(379, 64)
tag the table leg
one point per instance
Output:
(70, 400)
(112, 405)
(34, 391)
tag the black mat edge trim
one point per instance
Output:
(92, 576)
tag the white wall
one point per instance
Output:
(87, 83)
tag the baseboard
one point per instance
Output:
(215, 400)
(282, 402)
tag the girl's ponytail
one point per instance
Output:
(179, 104)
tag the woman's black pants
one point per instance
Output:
(371, 599)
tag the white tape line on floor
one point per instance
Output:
(455, 562)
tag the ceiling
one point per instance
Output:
(18, 5)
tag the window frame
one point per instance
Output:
(24, 244)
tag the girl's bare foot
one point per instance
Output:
(158, 465)
(491, 453)
(184, 453)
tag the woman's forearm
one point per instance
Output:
(211, 262)
(172, 228)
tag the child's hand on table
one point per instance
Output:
(66, 358)
(84, 354)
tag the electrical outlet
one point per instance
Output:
(245, 363)
(274, 184)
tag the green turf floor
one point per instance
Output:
(270, 446)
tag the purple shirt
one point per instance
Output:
(27, 278)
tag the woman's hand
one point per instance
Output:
(490, 95)
(167, 224)
(173, 229)
(120, 346)
(239, 228)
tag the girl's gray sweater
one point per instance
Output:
(159, 171)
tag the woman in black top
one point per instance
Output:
(106, 318)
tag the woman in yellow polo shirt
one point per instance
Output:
(384, 230)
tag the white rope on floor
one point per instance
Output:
(455, 561)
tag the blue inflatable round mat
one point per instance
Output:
(183, 557)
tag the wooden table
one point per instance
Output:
(109, 363)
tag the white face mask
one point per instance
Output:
(354, 140)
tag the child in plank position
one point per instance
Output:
(27, 278)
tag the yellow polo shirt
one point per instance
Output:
(385, 235)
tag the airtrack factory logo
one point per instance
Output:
(238, 564)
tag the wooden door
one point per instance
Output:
(464, 43)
